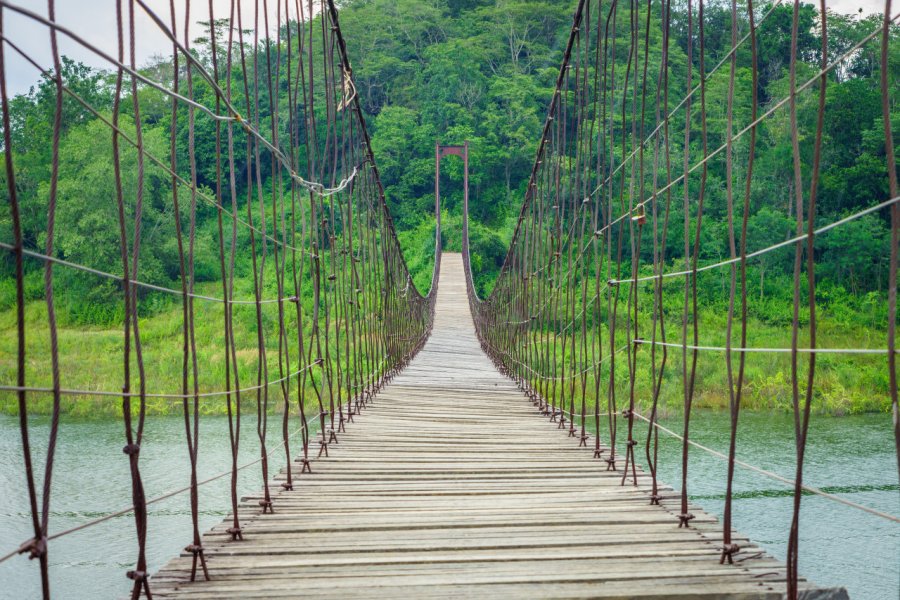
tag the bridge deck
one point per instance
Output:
(450, 484)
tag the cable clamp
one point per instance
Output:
(35, 548)
(138, 576)
(131, 449)
(684, 519)
(639, 217)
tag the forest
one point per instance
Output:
(484, 71)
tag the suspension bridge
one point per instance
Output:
(434, 444)
(453, 484)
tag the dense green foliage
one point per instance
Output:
(485, 71)
(482, 71)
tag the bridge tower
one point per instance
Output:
(439, 153)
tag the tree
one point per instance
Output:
(765, 229)
(856, 254)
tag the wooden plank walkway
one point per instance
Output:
(450, 484)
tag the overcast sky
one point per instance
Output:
(95, 21)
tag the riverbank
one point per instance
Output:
(91, 360)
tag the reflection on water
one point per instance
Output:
(831, 489)
(850, 456)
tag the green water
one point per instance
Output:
(848, 456)
(853, 457)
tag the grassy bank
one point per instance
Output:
(91, 355)
(90, 359)
(844, 383)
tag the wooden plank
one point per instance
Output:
(450, 484)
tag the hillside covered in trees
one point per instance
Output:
(484, 71)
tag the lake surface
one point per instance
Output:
(849, 456)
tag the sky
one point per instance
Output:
(95, 21)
